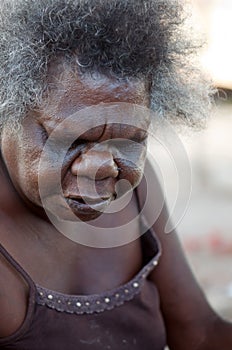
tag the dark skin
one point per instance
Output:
(47, 255)
(24, 219)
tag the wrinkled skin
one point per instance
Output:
(25, 230)
(47, 255)
(92, 165)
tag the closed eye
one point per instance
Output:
(77, 143)
(140, 136)
(44, 134)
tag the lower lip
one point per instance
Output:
(87, 208)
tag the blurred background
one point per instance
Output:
(206, 227)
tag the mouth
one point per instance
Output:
(87, 205)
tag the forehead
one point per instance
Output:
(70, 91)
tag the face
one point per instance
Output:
(107, 147)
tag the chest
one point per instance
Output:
(54, 261)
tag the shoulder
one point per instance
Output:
(13, 296)
(185, 309)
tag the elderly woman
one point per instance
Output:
(105, 64)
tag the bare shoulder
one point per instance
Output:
(13, 296)
(189, 319)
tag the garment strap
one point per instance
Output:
(138, 189)
(16, 266)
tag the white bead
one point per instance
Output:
(98, 302)
(135, 285)
(87, 303)
(78, 304)
(50, 297)
(107, 300)
(155, 263)
(126, 291)
(117, 295)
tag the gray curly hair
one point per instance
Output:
(127, 38)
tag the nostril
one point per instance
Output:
(107, 169)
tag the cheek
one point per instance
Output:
(23, 172)
(21, 158)
(28, 175)
(131, 163)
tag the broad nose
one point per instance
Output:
(96, 165)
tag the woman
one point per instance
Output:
(77, 80)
